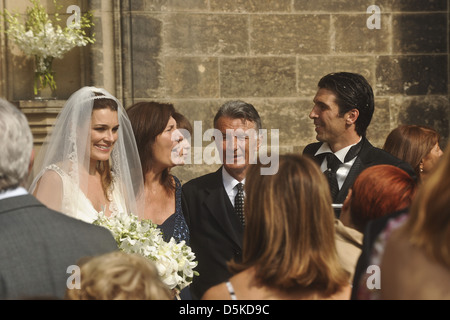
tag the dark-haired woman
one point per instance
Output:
(160, 148)
(88, 162)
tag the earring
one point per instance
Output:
(421, 167)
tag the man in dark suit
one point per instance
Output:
(209, 201)
(39, 247)
(343, 109)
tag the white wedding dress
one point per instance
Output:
(77, 205)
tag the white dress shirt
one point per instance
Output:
(13, 193)
(344, 168)
(230, 185)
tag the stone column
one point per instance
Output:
(102, 56)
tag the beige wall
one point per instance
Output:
(200, 53)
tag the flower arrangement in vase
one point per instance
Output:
(44, 39)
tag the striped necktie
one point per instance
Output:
(239, 202)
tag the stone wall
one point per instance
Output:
(198, 54)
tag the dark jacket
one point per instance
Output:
(367, 157)
(215, 229)
(39, 245)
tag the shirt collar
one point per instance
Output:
(340, 154)
(13, 193)
(228, 181)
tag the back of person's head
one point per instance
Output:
(16, 141)
(428, 225)
(411, 143)
(182, 122)
(239, 110)
(289, 234)
(352, 91)
(119, 276)
(378, 191)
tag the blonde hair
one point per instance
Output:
(289, 235)
(428, 225)
(119, 276)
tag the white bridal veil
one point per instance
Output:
(66, 151)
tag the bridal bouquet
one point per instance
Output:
(174, 261)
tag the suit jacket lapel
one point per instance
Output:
(355, 170)
(221, 209)
(311, 151)
(319, 158)
(362, 161)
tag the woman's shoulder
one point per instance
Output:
(51, 173)
(54, 169)
(241, 286)
(177, 191)
(52, 177)
(177, 181)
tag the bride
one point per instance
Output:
(89, 163)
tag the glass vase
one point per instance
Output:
(44, 79)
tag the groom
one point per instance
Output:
(343, 109)
(39, 246)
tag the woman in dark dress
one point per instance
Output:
(160, 148)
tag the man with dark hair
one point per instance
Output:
(343, 108)
(211, 202)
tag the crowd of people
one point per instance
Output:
(326, 225)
